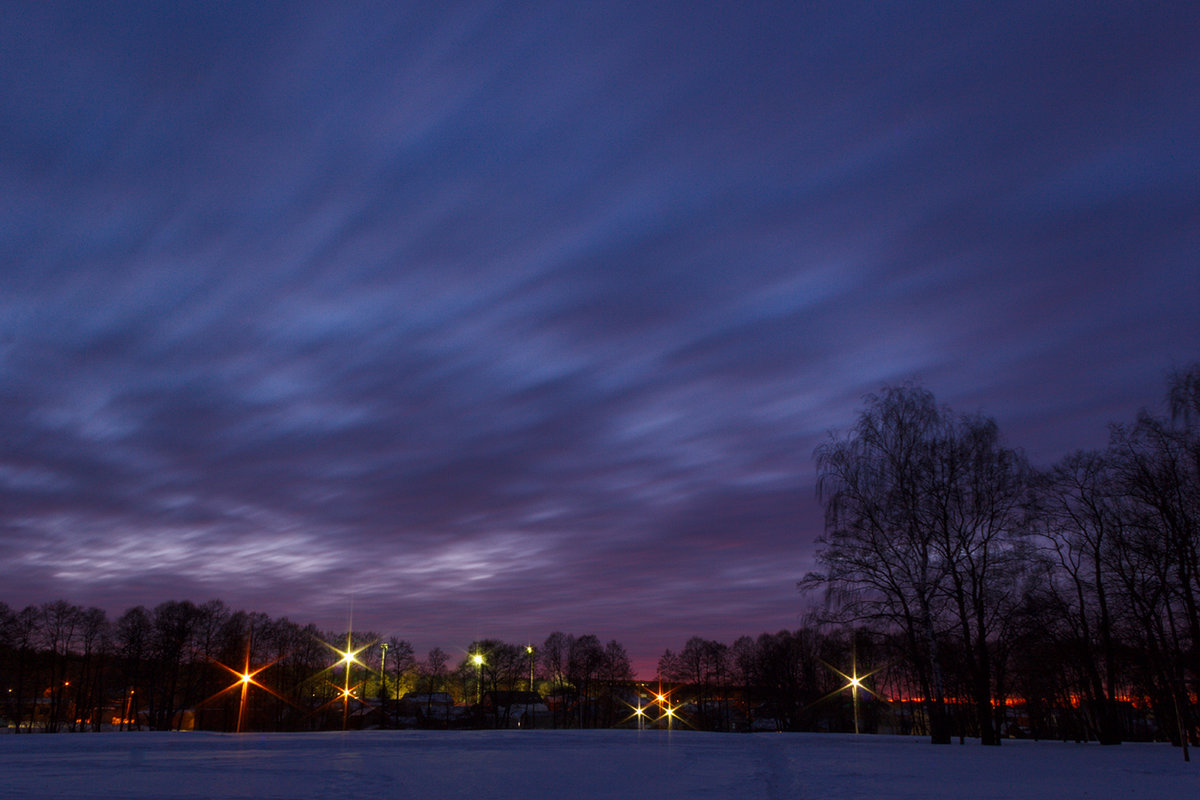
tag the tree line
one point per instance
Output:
(64, 667)
(179, 665)
(1071, 592)
(966, 593)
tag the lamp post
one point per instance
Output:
(529, 650)
(383, 669)
(383, 647)
(478, 659)
(854, 682)
(664, 706)
(347, 660)
(125, 723)
(244, 679)
(348, 657)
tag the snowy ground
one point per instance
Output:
(577, 764)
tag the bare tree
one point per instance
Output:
(1158, 466)
(174, 628)
(974, 492)
(94, 643)
(1077, 514)
(432, 675)
(553, 657)
(25, 625)
(403, 665)
(704, 665)
(879, 555)
(134, 632)
(1183, 395)
(59, 628)
(585, 662)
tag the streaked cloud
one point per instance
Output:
(492, 320)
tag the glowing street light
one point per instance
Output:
(383, 646)
(477, 659)
(663, 701)
(244, 678)
(125, 723)
(529, 652)
(349, 657)
(854, 682)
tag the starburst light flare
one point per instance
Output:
(854, 682)
(346, 658)
(244, 679)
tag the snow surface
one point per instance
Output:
(577, 764)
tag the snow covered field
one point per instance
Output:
(577, 764)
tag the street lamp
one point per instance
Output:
(125, 723)
(854, 682)
(478, 659)
(383, 669)
(349, 656)
(855, 685)
(663, 699)
(244, 679)
(529, 650)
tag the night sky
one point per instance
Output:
(488, 319)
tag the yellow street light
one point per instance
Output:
(477, 658)
(854, 682)
(529, 652)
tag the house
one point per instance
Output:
(514, 710)
(431, 710)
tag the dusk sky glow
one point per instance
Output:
(496, 319)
